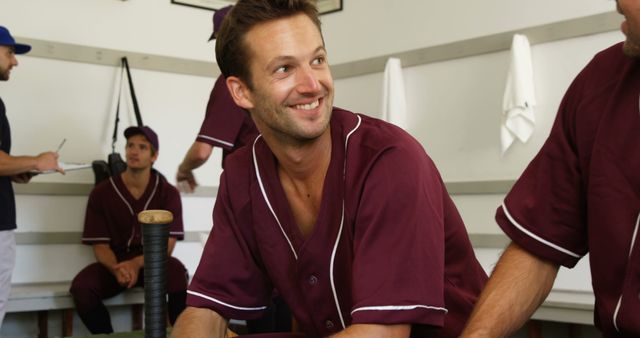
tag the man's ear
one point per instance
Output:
(240, 92)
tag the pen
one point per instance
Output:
(61, 144)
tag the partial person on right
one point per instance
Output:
(579, 195)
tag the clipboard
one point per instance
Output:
(66, 166)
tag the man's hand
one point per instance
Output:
(22, 178)
(48, 161)
(127, 273)
(186, 181)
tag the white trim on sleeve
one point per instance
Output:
(198, 294)
(228, 144)
(399, 308)
(536, 237)
(93, 239)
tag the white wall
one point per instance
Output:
(367, 28)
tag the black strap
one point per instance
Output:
(114, 138)
(136, 108)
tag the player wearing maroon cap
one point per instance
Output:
(112, 228)
(344, 214)
(579, 195)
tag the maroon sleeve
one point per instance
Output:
(398, 244)
(174, 204)
(545, 210)
(227, 279)
(95, 227)
(223, 119)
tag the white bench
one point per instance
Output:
(55, 296)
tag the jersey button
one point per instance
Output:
(328, 324)
(313, 280)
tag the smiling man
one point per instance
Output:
(345, 215)
(579, 195)
(111, 227)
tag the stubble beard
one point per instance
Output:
(631, 48)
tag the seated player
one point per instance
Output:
(112, 228)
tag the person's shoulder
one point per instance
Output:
(371, 131)
(241, 158)
(611, 53)
(102, 186)
(102, 190)
(608, 63)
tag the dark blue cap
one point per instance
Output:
(7, 40)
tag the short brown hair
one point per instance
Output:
(232, 54)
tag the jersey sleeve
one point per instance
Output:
(228, 279)
(545, 210)
(174, 204)
(398, 244)
(96, 230)
(223, 119)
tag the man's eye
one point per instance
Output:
(318, 61)
(283, 69)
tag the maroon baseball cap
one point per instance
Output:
(218, 16)
(151, 135)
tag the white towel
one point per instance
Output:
(519, 98)
(394, 103)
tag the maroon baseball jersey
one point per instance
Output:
(581, 193)
(112, 214)
(388, 246)
(225, 124)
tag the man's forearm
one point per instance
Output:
(197, 155)
(518, 285)
(374, 331)
(105, 256)
(13, 165)
(199, 323)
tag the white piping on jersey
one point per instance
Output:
(155, 187)
(198, 294)
(229, 144)
(333, 256)
(266, 198)
(399, 307)
(133, 229)
(176, 233)
(335, 246)
(119, 194)
(536, 237)
(633, 242)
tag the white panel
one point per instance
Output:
(478, 212)
(385, 27)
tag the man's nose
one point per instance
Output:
(308, 80)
